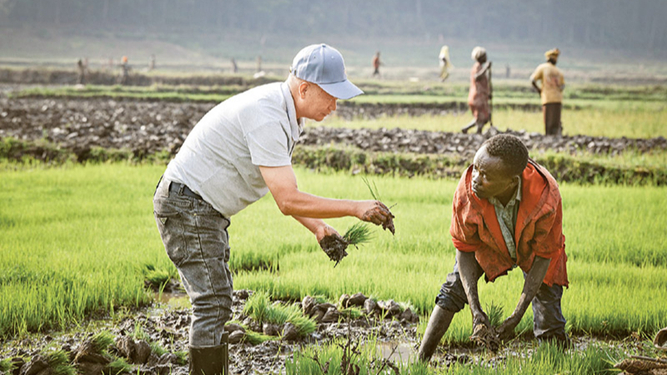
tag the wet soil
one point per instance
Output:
(169, 327)
(148, 127)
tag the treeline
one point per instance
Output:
(619, 24)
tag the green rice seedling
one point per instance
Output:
(59, 363)
(494, 313)
(157, 348)
(351, 312)
(255, 338)
(6, 365)
(119, 366)
(156, 278)
(256, 306)
(101, 341)
(372, 188)
(139, 333)
(181, 357)
(358, 234)
(259, 307)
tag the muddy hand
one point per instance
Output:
(326, 230)
(334, 246)
(379, 214)
(505, 331)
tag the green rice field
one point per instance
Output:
(76, 238)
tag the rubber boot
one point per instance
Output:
(210, 360)
(436, 328)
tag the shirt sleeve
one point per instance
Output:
(269, 146)
(537, 74)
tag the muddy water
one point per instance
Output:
(398, 351)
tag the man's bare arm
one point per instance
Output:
(531, 286)
(537, 88)
(470, 274)
(281, 181)
(485, 67)
(318, 227)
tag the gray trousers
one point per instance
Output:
(196, 240)
(548, 320)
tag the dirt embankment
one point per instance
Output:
(111, 77)
(149, 127)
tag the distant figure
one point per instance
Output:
(259, 64)
(235, 67)
(81, 79)
(125, 71)
(551, 92)
(445, 63)
(480, 91)
(376, 64)
(152, 63)
(507, 70)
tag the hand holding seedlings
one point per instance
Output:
(387, 219)
(379, 214)
(334, 245)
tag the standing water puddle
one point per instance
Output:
(397, 351)
(176, 299)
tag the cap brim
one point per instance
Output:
(341, 90)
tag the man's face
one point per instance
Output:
(490, 177)
(317, 102)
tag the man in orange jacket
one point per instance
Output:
(507, 213)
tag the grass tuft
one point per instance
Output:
(259, 307)
(59, 363)
(101, 341)
(119, 366)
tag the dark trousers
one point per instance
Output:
(552, 123)
(196, 240)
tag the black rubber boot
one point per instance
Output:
(437, 326)
(210, 360)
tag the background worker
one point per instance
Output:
(480, 91)
(237, 152)
(551, 92)
(376, 64)
(445, 63)
(124, 71)
(506, 213)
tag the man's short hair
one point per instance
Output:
(510, 150)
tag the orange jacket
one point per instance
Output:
(539, 229)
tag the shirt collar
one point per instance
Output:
(295, 124)
(516, 198)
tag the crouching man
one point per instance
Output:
(507, 212)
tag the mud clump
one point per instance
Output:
(486, 337)
(334, 246)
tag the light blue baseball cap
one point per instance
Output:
(323, 65)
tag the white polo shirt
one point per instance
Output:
(220, 158)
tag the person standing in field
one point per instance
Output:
(124, 71)
(480, 91)
(81, 68)
(506, 213)
(376, 64)
(445, 63)
(239, 151)
(551, 92)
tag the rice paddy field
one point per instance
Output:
(79, 241)
(75, 239)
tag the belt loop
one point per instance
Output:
(158, 185)
(181, 187)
